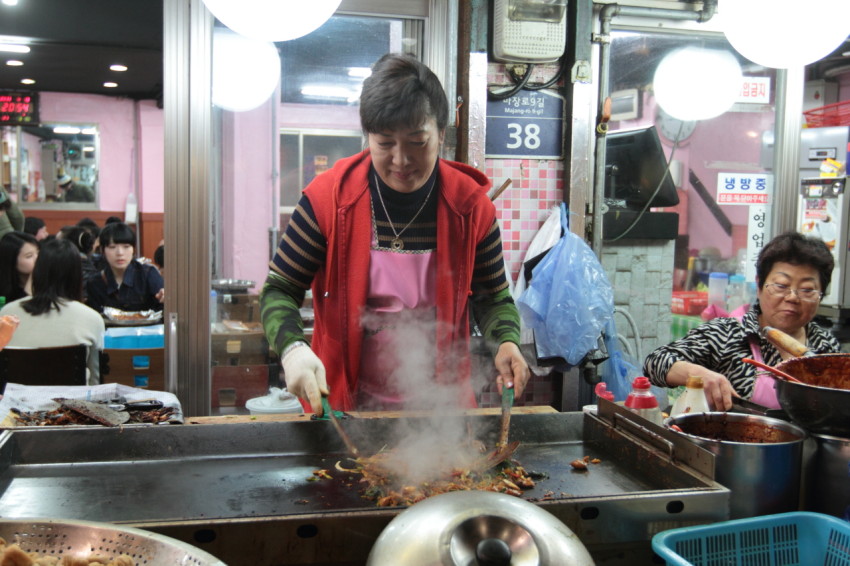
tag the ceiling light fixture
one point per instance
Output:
(10, 2)
(272, 20)
(69, 130)
(330, 92)
(360, 72)
(245, 72)
(694, 83)
(14, 48)
(89, 131)
(118, 68)
(14, 63)
(781, 33)
(28, 81)
(110, 84)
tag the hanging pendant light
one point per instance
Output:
(272, 20)
(694, 83)
(245, 71)
(785, 33)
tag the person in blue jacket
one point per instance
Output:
(124, 283)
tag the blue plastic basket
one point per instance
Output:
(785, 539)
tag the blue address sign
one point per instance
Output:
(526, 125)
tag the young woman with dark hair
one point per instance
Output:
(54, 315)
(124, 283)
(18, 252)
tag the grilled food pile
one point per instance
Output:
(66, 416)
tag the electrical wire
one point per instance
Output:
(521, 83)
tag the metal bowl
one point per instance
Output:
(821, 404)
(81, 539)
(232, 285)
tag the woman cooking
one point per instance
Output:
(792, 272)
(397, 244)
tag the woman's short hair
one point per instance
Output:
(80, 236)
(401, 92)
(117, 233)
(796, 249)
(58, 274)
(10, 248)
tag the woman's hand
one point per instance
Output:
(718, 390)
(160, 296)
(512, 367)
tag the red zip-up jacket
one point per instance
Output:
(342, 205)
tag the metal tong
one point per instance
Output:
(505, 424)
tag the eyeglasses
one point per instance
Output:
(780, 290)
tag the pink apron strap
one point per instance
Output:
(764, 387)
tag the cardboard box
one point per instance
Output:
(236, 348)
(232, 386)
(690, 303)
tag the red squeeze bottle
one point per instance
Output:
(642, 401)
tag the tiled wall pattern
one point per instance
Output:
(523, 207)
(641, 273)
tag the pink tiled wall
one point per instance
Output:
(523, 207)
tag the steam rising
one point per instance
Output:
(437, 441)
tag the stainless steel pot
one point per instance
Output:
(477, 527)
(821, 404)
(758, 458)
(826, 486)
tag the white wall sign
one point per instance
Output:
(758, 229)
(744, 188)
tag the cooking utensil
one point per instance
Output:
(101, 413)
(776, 372)
(331, 414)
(477, 527)
(232, 285)
(786, 342)
(820, 401)
(505, 423)
(747, 449)
(81, 539)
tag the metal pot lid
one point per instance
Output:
(477, 528)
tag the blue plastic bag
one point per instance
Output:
(569, 299)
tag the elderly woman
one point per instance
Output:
(396, 244)
(793, 272)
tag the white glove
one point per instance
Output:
(304, 374)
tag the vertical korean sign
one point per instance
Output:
(526, 125)
(755, 191)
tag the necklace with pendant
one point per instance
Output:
(397, 243)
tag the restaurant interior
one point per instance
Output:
(130, 99)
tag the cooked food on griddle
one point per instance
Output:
(494, 472)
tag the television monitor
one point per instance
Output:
(635, 166)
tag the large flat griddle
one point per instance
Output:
(180, 480)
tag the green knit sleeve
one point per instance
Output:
(280, 301)
(497, 316)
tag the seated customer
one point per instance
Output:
(124, 283)
(54, 315)
(36, 227)
(18, 252)
(792, 273)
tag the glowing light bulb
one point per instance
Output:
(694, 83)
(272, 20)
(245, 71)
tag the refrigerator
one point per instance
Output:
(824, 207)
